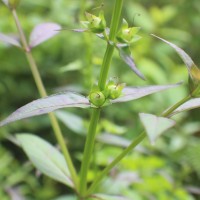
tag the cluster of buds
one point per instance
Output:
(113, 90)
(128, 34)
(95, 24)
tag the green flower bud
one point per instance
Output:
(128, 34)
(94, 23)
(115, 90)
(97, 98)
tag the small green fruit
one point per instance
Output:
(97, 98)
(115, 91)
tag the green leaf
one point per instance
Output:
(72, 121)
(125, 54)
(107, 197)
(111, 139)
(132, 93)
(45, 158)
(66, 197)
(193, 70)
(155, 126)
(47, 105)
(189, 105)
(73, 66)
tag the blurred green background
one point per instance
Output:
(71, 61)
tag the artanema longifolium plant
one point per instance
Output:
(107, 91)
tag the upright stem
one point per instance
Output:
(96, 112)
(89, 145)
(179, 103)
(131, 146)
(43, 93)
(110, 47)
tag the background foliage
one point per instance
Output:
(171, 168)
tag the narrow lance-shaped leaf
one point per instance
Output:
(45, 158)
(155, 126)
(108, 197)
(47, 105)
(189, 105)
(193, 70)
(131, 93)
(43, 32)
(9, 39)
(126, 56)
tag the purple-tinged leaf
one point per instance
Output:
(108, 197)
(126, 56)
(46, 158)
(113, 140)
(131, 93)
(102, 35)
(155, 126)
(192, 68)
(6, 2)
(80, 30)
(189, 105)
(116, 140)
(43, 32)
(47, 105)
(9, 39)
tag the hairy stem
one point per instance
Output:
(96, 112)
(43, 93)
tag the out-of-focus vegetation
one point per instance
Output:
(168, 170)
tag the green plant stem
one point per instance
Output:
(96, 112)
(179, 103)
(88, 45)
(43, 93)
(131, 146)
(89, 145)
(110, 45)
(115, 161)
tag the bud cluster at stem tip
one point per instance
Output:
(113, 90)
(128, 34)
(95, 24)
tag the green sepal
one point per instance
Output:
(113, 89)
(95, 24)
(97, 98)
(128, 34)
